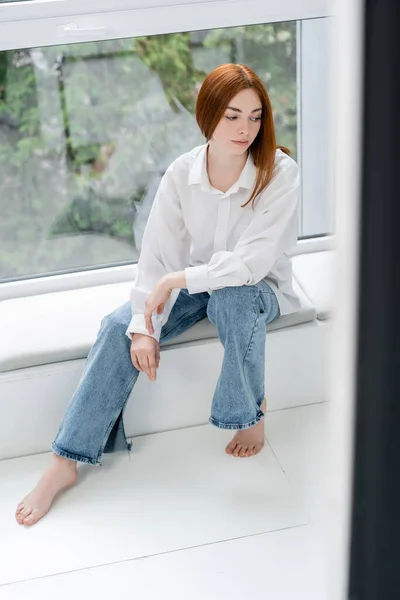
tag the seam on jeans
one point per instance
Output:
(252, 333)
(128, 388)
(258, 316)
(245, 357)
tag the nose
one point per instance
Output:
(243, 129)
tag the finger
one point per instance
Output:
(149, 361)
(160, 309)
(149, 324)
(138, 363)
(146, 366)
(133, 359)
(143, 364)
(135, 362)
(153, 367)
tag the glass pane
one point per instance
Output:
(87, 131)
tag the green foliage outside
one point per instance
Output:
(87, 130)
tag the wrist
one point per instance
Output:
(174, 280)
(167, 282)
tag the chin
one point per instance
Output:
(237, 149)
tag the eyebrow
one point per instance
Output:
(238, 109)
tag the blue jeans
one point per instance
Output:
(93, 420)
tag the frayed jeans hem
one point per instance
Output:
(82, 459)
(216, 423)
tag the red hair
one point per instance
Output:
(217, 90)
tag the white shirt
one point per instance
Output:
(196, 228)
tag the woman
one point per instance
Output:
(215, 245)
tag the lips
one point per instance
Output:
(240, 142)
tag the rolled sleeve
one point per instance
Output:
(197, 279)
(138, 325)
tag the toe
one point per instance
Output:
(243, 451)
(237, 450)
(26, 512)
(20, 507)
(230, 447)
(30, 520)
(250, 451)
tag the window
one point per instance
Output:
(87, 129)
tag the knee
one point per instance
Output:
(231, 302)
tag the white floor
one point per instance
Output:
(177, 519)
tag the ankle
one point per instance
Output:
(61, 461)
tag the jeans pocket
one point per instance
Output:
(269, 306)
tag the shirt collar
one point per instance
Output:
(198, 173)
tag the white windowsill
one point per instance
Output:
(118, 274)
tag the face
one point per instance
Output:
(241, 122)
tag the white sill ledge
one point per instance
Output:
(118, 274)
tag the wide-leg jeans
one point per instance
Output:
(93, 420)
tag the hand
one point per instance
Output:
(156, 302)
(145, 354)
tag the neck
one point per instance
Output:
(222, 161)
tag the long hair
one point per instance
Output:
(217, 90)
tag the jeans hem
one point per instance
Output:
(220, 425)
(76, 457)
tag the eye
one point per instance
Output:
(254, 119)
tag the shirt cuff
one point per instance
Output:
(138, 325)
(197, 279)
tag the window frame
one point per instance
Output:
(315, 118)
(40, 23)
(287, 10)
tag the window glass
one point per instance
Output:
(87, 131)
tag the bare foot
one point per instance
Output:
(247, 442)
(60, 474)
